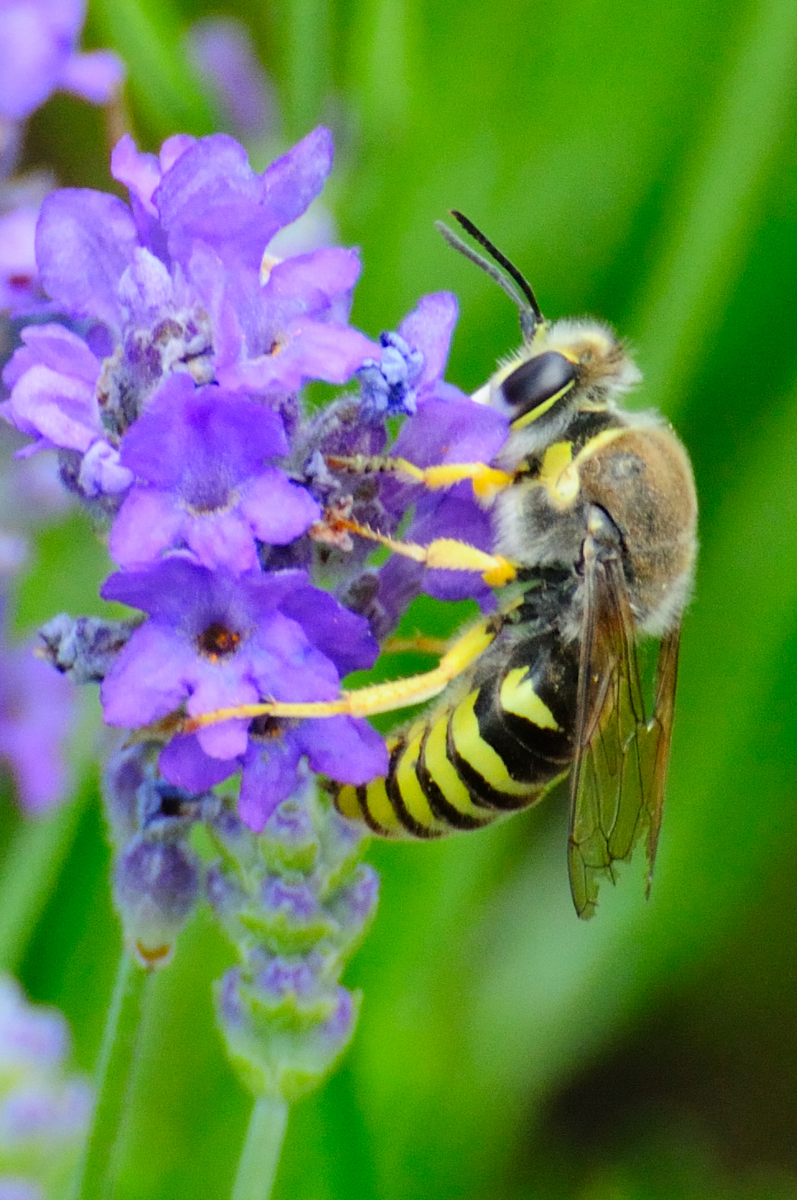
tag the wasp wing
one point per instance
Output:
(619, 773)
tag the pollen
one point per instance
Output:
(216, 641)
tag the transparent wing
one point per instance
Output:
(618, 777)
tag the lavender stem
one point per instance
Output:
(114, 1073)
(257, 1168)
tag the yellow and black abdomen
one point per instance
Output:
(492, 750)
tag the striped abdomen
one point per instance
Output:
(494, 750)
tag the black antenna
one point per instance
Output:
(530, 315)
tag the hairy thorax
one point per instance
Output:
(640, 476)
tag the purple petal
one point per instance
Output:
(222, 539)
(222, 686)
(286, 666)
(269, 777)
(35, 41)
(146, 288)
(309, 282)
(58, 407)
(56, 347)
(84, 241)
(428, 328)
(454, 514)
(173, 148)
(205, 441)
(345, 748)
(184, 763)
(95, 76)
(277, 510)
(307, 350)
(140, 173)
(342, 635)
(147, 523)
(212, 195)
(149, 679)
(101, 473)
(291, 182)
(451, 431)
(190, 596)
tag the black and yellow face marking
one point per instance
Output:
(595, 514)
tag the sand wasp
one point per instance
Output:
(594, 514)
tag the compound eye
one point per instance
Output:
(539, 379)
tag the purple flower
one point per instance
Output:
(37, 716)
(38, 56)
(343, 748)
(412, 363)
(180, 285)
(53, 377)
(198, 458)
(446, 427)
(215, 640)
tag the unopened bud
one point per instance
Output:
(156, 888)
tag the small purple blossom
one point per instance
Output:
(387, 387)
(38, 56)
(197, 455)
(215, 640)
(53, 378)
(343, 748)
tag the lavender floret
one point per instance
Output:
(38, 56)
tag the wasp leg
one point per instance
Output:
(378, 698)
(446, 554)
(486, 480)
(419, 643)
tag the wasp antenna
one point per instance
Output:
(489, 268)
(502, 261)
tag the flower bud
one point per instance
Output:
(156, 887)
(273, 1056)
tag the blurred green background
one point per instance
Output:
(639, 161)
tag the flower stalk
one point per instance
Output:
(257, 1168)
(120, 1041)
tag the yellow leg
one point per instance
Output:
(446, 554)
(419, 643)
(486, 480)
(378, 698)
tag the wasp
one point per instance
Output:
(594, 512)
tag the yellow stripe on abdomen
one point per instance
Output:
(405, 791)
(478, 754)
(443, 773)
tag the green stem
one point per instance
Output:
(260, 1156)
(94, 1177)
(31, 867)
